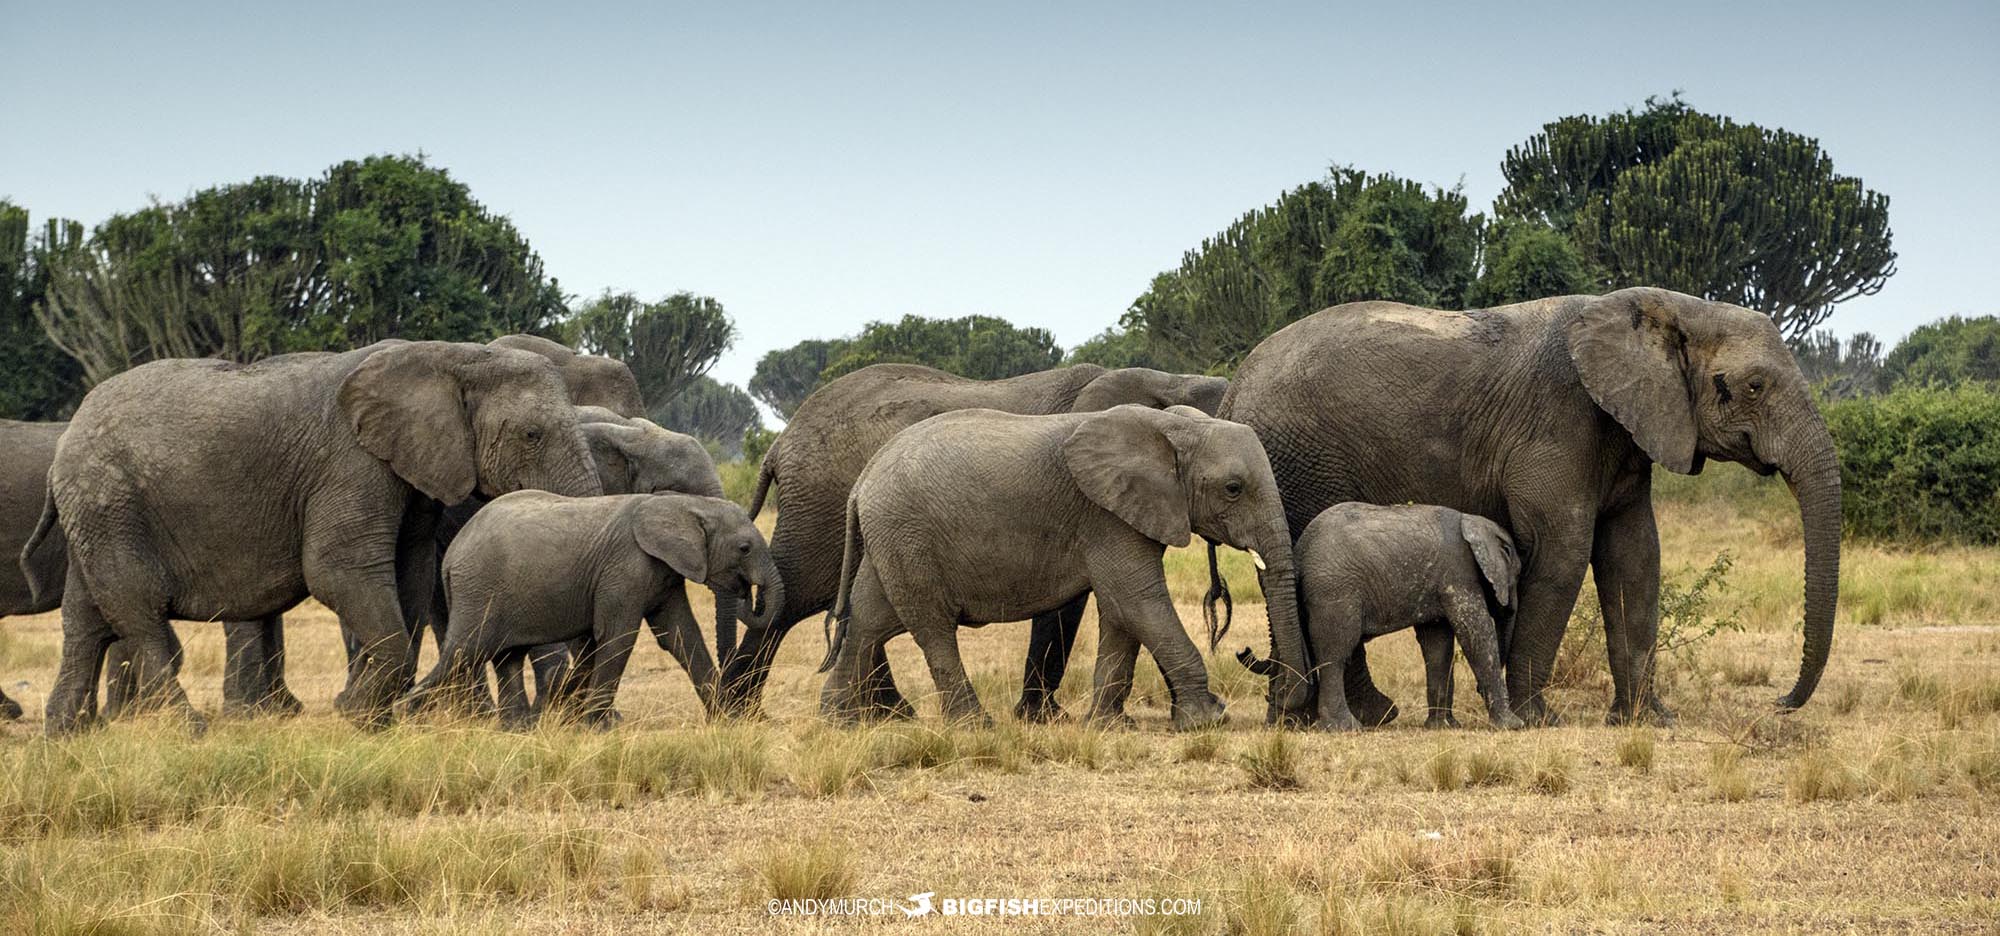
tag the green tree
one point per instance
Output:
(668, 344)
(1668, 196)
(786, 376)
(384, 247)
(1350, 237)
(1524, 262)
(978, 346)
(1115, 347)
(719, 414)
(37, 381)
(1946, 353)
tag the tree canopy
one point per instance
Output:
(717, 413)
(786, 376)
(1349, 237)
(668, 344)
(1947, 352)
(1668, 196)
(37, 381)
(383, 247)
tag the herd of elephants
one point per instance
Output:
(1385, 466)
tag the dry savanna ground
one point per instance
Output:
(1876, 809)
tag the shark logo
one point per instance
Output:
(920, 904)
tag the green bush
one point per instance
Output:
(1921, 464)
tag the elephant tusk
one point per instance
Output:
(1256, 560)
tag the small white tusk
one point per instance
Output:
(1255, 559)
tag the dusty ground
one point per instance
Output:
(1875, 809)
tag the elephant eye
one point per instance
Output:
(1754, 386)
(533, 433)
(743, 548)
(1233, 488)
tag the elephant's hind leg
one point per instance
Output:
(850, 692)
(87, 635)
(1435, 640)
(9, 709)
(1111, 679)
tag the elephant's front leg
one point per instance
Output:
(674, 627)
(253, 680)
(616, 630)
(1131, 589)
(1478, 635)
(1111, 681)
(1625, 562)
(1048, 658)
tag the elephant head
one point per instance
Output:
(711, 541)
(1170, 474)
(638, 456)
(1148, 387)
(1694, 380)
(453, 418)
(592, 380)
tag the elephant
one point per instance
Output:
(633, 456)
(211, 490)
(592, 380)
(936, 537)
(1368, 570)
(523, 567)
(1547, 417)
(829, 440)
(26, 449)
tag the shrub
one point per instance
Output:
(1920, 464)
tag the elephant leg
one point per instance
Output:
(937, 635)
(884, 699)
(560, 676)
(9, 709)
(727, 609)
(1337, 626)
(1477, 634)
(1131, 590)
(417, 583)
(1552, 573)
(253, 680)
(806, 549)
(514, 708)
(674, 628)
(1435, 640)
(611, 649)
(369, 611)
(1625, 561)
(277, 696)
(1111, 679)
(156, 665)
(1048, 658)
(1368, 704)
(87, 636)
(121, 680)
(871, 621)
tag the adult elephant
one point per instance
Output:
(208, 490)
(592, 380)
(1547, 417)
(830, 439)
(26, 449)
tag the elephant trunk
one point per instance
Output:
(1290, 689)
(770, 593)
(1809, 464)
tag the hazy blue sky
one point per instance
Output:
(815, 166)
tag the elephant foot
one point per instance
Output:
(1343, 723)
(9, 709)
(282, 704)
(1537, 714)
(1440, 719)
(1377, 714)
(895, 708)
(1662, 715)
(1111, 719)
(604, 720)
(1505, 720)
(1201, 715)
(1039, 711)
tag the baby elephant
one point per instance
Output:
(1365, 571)
(533, 568)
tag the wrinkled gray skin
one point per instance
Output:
(26, 450)
(592, 380)
(522, 569)
(1365, 571)
(830, 439)
(936, 537)
(206, 490)
(634, 456)
(1547, 417)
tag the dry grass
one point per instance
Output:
(1891, 776)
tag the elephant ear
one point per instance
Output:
(1125, 462)
(610, 448)
(670, 529)
(1493, 549)
(1627, 346)
(407, 408)
(1186, 411)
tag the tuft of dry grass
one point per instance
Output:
(1202, 747)
(1727, 779)
(1635, 750)
(1441, 769)
(1820, 775)
(1271, 762)
(805, 869)
(1490, 766)
(1551, 772)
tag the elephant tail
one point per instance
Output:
(1218, 590)
(767, 472)
(44, 578)
(850, 560)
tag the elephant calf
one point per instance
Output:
(1366, 570)
(532, 569)
(978, 516)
